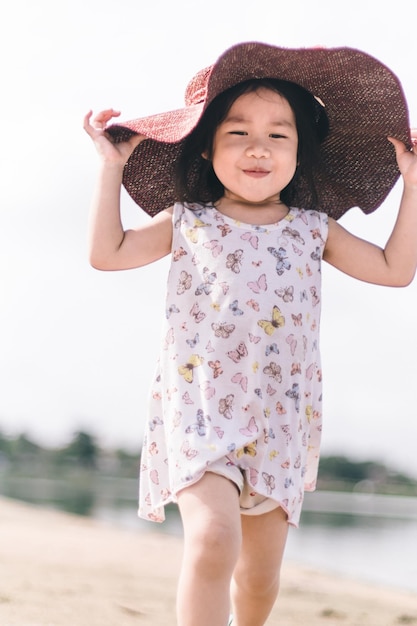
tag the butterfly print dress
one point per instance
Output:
(239, 373)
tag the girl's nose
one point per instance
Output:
(257, 149)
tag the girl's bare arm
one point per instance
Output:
(110, 246)
(395, 265)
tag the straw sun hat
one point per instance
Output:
(363, 100)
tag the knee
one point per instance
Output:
(215, 547)
(257, 581)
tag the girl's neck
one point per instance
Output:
(249, 213)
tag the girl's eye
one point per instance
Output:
(277, 136)
(238, 132)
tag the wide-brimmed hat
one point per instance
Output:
(363, 99)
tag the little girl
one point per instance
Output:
(245, 183)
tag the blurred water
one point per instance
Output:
(371, 538)
(377, 546)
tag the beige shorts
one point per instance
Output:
(251, 502)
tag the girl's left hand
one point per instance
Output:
(407, 159)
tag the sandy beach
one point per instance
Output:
(62, 570)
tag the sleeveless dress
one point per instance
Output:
(239, 374)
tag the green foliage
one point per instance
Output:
(339, 472)
(83, 456)
(83, 450)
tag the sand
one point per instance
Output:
(62, 570)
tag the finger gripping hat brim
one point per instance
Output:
(363, 99)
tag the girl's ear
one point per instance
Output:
(205, 155)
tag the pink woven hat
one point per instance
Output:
(363, 99)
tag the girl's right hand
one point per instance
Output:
(114, 153)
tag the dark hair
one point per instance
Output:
(195, 178)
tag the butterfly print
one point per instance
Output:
(310, 371)
(154, 476)
(292, 342)
(282, 262)
(316, 255)
(209, 347)
(193, 342)
(197, 314)
(169, 338)
(188, 451)
(226, 282)
(277, 321)
(223, 330)
(253, 476)
(253, 304)
(184, 282)
(294, 393)
(214, 246)
(251, 429)
(219, 432)
(207, 286)
(186, 370)
(269, 481)
(224, 229)
(293, 234)
(253, 239)
(316, 233)
(286, 293)
(280, 409)
(207, 389)
(153, 448)
(297, 319)
(192, 233)
(240, 380)
(186, 397)
(288, 482)
(286, 429)
(240, 352)
(216, 367)
(235, 308)
(200, 427)
(274, 371)
(234, 261)
(249, 449)
(268, 434)
(226, 406)
(171, 309)
(156, 421)
(177, 254)
(259, 285)
(314, 296)
(176, 420)
(170, 392)
(271, 348)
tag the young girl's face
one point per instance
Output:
(255, 148)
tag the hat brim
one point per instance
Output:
(364, 102)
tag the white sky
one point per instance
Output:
(78, 347)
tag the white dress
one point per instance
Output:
(239, 373)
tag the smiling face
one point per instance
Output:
(254, 152)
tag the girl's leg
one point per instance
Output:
(212, 539)
(255, 582)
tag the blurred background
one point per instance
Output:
(78, 347)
